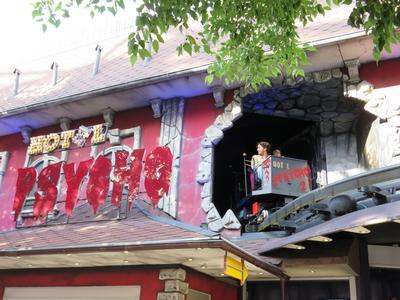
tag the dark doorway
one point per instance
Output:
(301, 290)
(295, 138)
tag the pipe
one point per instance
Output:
(54, 68)
(97, 62)
(17, 74)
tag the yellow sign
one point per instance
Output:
(236, 269)
(62, 140)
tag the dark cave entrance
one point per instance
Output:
(295, 138)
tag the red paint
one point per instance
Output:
(157, 180)
(25, 182)
(120, 176)
(291, 174)
(143, 117)
(147, 278)
(200, 113)
(136, 171)
(157, 173)
(99, 181)
(206, 284)
(385, 74)
(267, 164)
(47, 184)
(125, 175)
(73, 181)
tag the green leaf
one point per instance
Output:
(144, 53)
(159, 38)
(188, 48)
(44, 27)
(156, 45)
(36, 13)
(209, 79)
(133, 59)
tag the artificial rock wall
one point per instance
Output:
(322, 97)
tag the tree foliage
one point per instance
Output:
(251, 40)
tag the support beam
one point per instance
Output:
(218, 93)
(108, 116)
(353, 288)
(156, 106)
(26, 132)
(352, 67)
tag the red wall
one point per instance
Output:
(147, 278)
(13, 143)
(217, 289)
(200, 112)
(385, 74)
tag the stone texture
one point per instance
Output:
(206, 191)
(336, 73)
(204, 172)
(295, 112)
(170, 296)
(326, 128)
(314, 110)
(344, 117)
(214, 134)
(378, 107)
(216, 225)
(333, 83)
(265, 111)
(345, 105)
(173, 273)
(206, 204)
(213, 214)
(295, 94)
(258, 106)
(206, 152)
(342, 127)
(309, 77)
(230, 221)
(176, 286)
(271, 104)
(322, 76)
(288, 104)
(331, 92)
(206, 142)
(329, 115)
(224, 121)
(279, 113)
(280, 97)
(307, 101)
(394, 121)
(329, 105)
(313, 117)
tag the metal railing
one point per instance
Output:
(331, 190)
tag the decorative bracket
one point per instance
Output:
(108, 116)
(156, 106)
(26, 132)
(218, 93)
(352, 67)
(65, 123)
